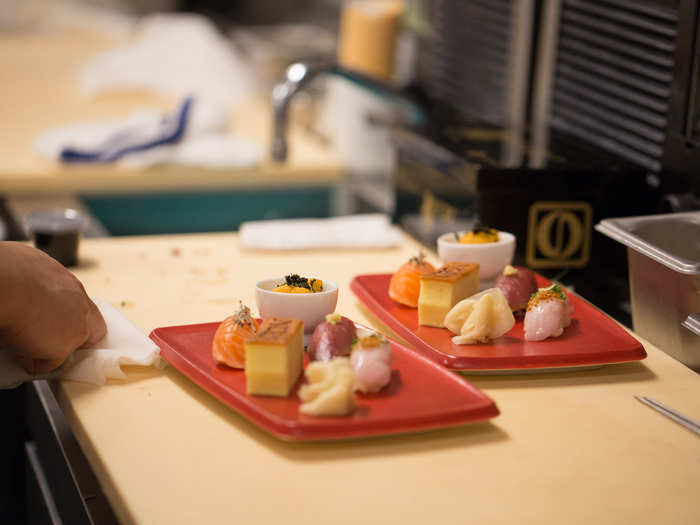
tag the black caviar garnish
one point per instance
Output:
(480, 227)
(300, 282)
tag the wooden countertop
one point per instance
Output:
(40, 91)
(568, 447)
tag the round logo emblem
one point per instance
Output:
(559, 234)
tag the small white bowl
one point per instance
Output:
(310, 308)
(491, 257)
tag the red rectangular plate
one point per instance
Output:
(592, 339)
(422, 395)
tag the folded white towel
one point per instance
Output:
(146, 137)
(124, 344)
(354, 231)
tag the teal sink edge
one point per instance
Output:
(165, 213)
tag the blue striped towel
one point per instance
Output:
(169, 130)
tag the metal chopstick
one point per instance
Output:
(670, 413)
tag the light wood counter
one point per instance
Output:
(570, 448)
(40, 91)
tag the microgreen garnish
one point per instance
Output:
(555, 288)
(243, 317)
(418, 259)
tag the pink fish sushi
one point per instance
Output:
(548, 313)
(371, 361)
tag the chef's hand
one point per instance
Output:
(45, 313)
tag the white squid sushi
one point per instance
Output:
(371, 360)
(548, 313)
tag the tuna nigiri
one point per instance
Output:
(371, 360)
(517, 284)
(547, 314)
(332, 338)
(227, 346)
(404, 286)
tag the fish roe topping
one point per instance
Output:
(372, 341)
(553, 292)
(243, 317)
(479, 234)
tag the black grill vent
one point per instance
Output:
(613, 77)
(468, 57)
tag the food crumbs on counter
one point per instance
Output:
(175, 252)
(126, 304)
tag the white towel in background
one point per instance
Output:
(177, 54)
(205, 140)
(353, 231)
(181, 55)
(124, 344)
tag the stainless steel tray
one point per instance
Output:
(670, 239)
(663, 253)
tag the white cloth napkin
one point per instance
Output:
(174, 53)
(124, 344)
(353, 231)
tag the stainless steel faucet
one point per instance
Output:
(299, 75)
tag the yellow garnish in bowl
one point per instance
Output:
(480, 234)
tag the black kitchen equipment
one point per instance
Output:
(597, 117)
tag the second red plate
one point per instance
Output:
(592, 339)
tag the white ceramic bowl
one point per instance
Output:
(492, 257)
(310, 308)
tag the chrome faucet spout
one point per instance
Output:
(299, 75)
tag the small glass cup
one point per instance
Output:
(57, 233)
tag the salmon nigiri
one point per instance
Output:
(227, 346)
(405, 283)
